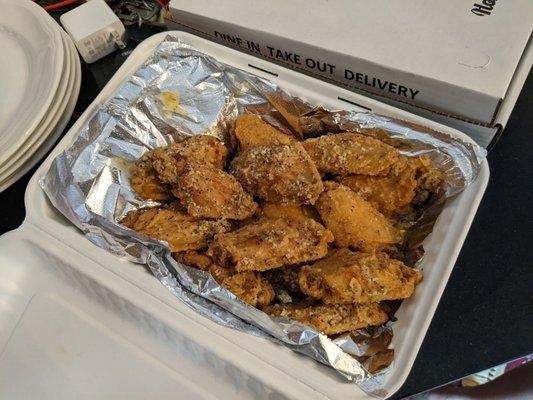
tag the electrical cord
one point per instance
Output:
(60, 4)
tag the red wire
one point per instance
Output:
(64, 3)
(61, 4)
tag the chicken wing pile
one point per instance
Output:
(306, 230)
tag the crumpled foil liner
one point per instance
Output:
(89, 182)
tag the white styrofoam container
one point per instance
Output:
(78, 321)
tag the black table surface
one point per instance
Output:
(484, 317)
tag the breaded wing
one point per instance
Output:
(429, 177)
(181, 230)
(351, 153)
(287, 211)
(220, 273)
(353, 220)
(346, 277)
(408, 178)
(269, 244)
(145, 181)
(252, 131)
(208, 192)
(331, 319)
(250, 287)
(204, 149)
(391, 194)
(278, 174)
(284, 278)
(194, 259)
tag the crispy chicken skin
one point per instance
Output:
(331, 319)
(252, 131)
(208, 192)
(428, 176)
(353, 220)
(278, 174)
(182, 231)
(203, 149)
(346, 277)
(250, 287)
(287, 211)
(285, 278)
(220, 273)
(391, 194)
(351, 153)
(271, 243)
(194, 259)
(145, 181)
(151, 173)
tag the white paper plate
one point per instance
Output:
(49, 132)
(30, 71)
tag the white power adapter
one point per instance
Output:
(95, 29)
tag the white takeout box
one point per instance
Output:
(79, 322)
(460, 63)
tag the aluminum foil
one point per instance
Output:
(89, 182)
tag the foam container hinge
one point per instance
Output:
(107, 327)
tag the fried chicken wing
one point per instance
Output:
(278, 174)
(346, 277)
(220, 273)
(354, 221)
(285, 279)
(194, 259)
(391, 194)
(287, 211)
(145, 181)
(151, 174)
(250, 287)
(333, 318)
(252, 131)
(429, 177)
(182, 231)
(208, 192)
(269, 244)
(351, 153)
(203, 149)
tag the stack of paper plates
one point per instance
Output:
(40, 78)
